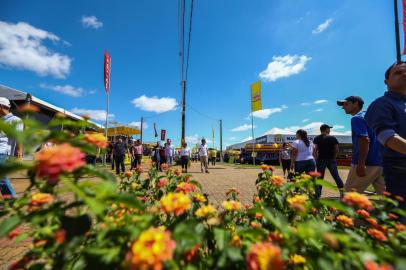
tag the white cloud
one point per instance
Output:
(265, 113)
(247, 139)
(339, 126)
(243, 128)
(137, 124)
(321, 27)
(284, 107)
(155, 104)
(21, 47)
(97, 115)
(305, 120)
(319, 110)
(284, 66)
(91, 22)
(232, 138)
(65, 89)
(311, 128)
(320, 101)
(196, 139)
(305, 104)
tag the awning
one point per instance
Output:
(122, 130)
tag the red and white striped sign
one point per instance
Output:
(107, 69)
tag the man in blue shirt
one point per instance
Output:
(387, 116)
(366, 167)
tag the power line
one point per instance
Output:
(190, 33)
(202, 114)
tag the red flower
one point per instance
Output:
(14, 233)
(371, 265)
(53, 161)
(162, 182)
(314, 174)
(60, 236)
(377, 234)
(185, 187)
(363, 213)
(192, 254)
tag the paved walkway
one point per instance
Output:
(221, 178)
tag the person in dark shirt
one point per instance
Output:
(120, 149)
(326, 148)
(366, 167)
(387, 117)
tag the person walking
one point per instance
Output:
(284, 158)
(326, 151)
(366, 165)
(387, 117)
(120, 150)
(156, 156)
(185, 155)
(213, 155)
(169, 152)
(302, 154)
(136, 152)
(203, 154)
(8, 146)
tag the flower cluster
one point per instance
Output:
(264, 256)
(185, 187)
(232, 205)
(206, 211)
(176, 203)
(97, 139)
(298, 202)
(358, 200)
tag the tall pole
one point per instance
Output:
(142, 122)
(253, 139)
(183, 110)
(221, 140)
(398, 55)
(107, 125)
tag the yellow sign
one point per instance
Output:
(122, 130)
(256, 102)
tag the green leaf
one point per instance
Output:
(222, 237)
(326, 184)
(339, 206)
(234, 254)
(9, 224)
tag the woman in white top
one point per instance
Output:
(302, 153)
(184, 157)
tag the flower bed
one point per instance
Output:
(166, 222)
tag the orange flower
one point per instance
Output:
(192, 254)
(393, 216)
(255, 225)
(41, 198)
(28, 108)
(259, 215)
(185, 187)
(152, 248)
(314, 174)
(164, 166)
(372, 221)
(128, 174)
(177, 203)
(371, 265)
(264, 256)
(358, 200)
(344, 220)
(377, 234)
(97, 139)
(298, 202)
(277, 181)
(264, 167)
(232, 205)
(235, 241)
(177, 172)
(330, 240)
(51, 162)
(400, 227)
(257, 199)
(60, 236)
(363, 213)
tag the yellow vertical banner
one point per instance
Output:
(256, 102)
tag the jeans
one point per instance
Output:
(394, 170)
(119, 160)
(305, 166)
(136, 161)
(213, 161)
(203, 163)
(169, 160)
(331, 165)
(184, 160)
(5, 185)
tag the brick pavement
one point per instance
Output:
(220, 179)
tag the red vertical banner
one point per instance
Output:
(404, 25)
(163, 131)
(107, 69)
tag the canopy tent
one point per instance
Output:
(121, 130)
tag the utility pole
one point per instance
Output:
(183, 110)
(398, 55)
(142, 122)
(221, 140)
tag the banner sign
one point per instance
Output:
(256, 102)
(163, 131)
(107, 69)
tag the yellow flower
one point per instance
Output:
(153, 247)
(41, 198)
(232, 205)
(277, 180)
(297, 202)
(206, 211)
(358, 200)
(346, 221)
(297, 259)
(97, 139)
(135, 186)
(176, 203)
(264, 256)
(199, 197)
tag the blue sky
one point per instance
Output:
(307, 53)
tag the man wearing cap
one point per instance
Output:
(387, 116)
(366, 167)
(8, 145)
(326, 150)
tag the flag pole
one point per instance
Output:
(253, 139)
(107, 125)
(398, 55)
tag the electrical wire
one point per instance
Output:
(189, 39)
